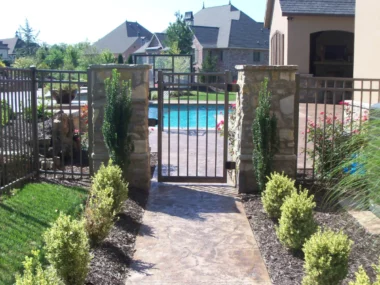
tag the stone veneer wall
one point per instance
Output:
(282, 84)
(138, 174)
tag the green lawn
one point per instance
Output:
(26, 215)
(202, 96)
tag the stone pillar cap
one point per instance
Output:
(267, 67)
(120, 66)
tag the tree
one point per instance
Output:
(29, 36)
(107, 56)
(180, 32)
(120, 59)
(130, 59)
(209, 64)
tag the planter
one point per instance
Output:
(64, 96)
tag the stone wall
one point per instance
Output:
(138, 174)
(282, 84)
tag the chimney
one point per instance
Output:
(189, 18)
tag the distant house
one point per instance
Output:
(13, 44)
(156, 45)
(223, 32)
(317, 35)
(125, 39)
(3, 51)
(230, 35)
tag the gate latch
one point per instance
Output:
(152, 122)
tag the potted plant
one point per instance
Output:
(63, 93)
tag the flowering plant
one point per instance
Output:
(329, 137)
(231, 128)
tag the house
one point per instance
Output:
(3, 51)
(156, 45)
(317, 35)
(125, 39)
(223, 32)
(13, 44)
(230, 35)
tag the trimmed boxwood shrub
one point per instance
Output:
(361, 278)
(68, 250)
(35, 274)
(297, 223)
(111, 176)
(326, 258)
(278, 187)
(99, 214)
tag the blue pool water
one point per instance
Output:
(205, 115)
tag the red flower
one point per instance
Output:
(344, 103)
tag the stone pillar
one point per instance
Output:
(138, 174)
(282, 85)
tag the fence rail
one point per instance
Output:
(331, 110)
(44, 125)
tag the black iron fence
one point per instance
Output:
(44, 127)
(331, 111)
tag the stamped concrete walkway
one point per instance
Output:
(196, 234)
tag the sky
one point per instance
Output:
(73, 21)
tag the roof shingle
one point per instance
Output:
(318, 7)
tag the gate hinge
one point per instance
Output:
(230, 165)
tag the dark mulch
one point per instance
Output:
(287, 269)
(110, 264)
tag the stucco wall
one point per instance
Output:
(367, 39)
(299, 30)
(279, 23)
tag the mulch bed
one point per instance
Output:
(110, 264)
(287, 269)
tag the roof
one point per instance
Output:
(3, 46)
(236, 29)
(124, 36)
(12, 43)
(157, 42)
(207, 36)
(311, 7)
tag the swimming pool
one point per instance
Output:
(189, 115)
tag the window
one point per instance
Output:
(195, 55)
(221, 56)
(256, 56)
(277, 49)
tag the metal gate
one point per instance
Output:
(192, 127)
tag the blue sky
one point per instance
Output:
(72, 21)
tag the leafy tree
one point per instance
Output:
(71, 58)
(2, 64)
(24, 62)
(180, 33)
(107, 57)
(29, 36)
(120, 59)
(55, 57)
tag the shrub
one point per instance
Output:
(67, 249)
(264, 132)
(117, 116)
(326, 258)
(6, 112)
(120, 59)
(34, 274)
(361, 278)
(111, 176)
(2, 64)
(297, 223)
(99, 214)
(278, 187)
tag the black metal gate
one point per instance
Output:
(192, 127)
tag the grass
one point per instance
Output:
(25, 215)
(202, 96)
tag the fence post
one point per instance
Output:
(90, 120)
(296, 113)
(34, 120)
